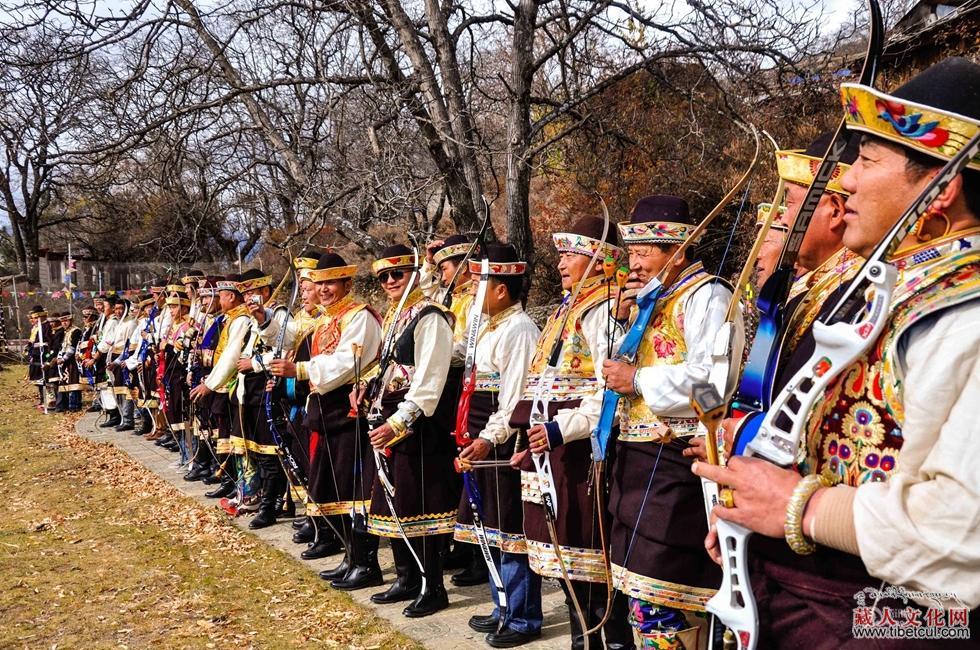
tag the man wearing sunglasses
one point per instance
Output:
(412, 410)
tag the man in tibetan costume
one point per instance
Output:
(100, 362)
(657, 504)
(442, 260)
(440, 269)
(824, 264)
(235, 326)
(93, 365)
(119, 353)
(205, 463)
(52, 367)
(341, 465)
(412, 407)
(251, 433)
(90, 323)
(584, 330)
(174, 359)
(192, 282)
(39, 350)
(68, 361)
(141, 365)
(502, 353)
(888, 491)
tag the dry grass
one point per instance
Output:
(96, 551)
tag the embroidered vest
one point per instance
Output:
(854, 434)
(332, 323)
(576, 370)
(234, 313)
(662, 344)
(814, 288)
(462, 301)
(209, 341)
(400, 372)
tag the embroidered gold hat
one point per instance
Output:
(454, 246)
(800, 165)
(192, 277)
(178, 298)
(253, 279)
(158, 285)
(936, 112)
(585, 237)
(503, 260)
(658, 219)
(398, 256)
(331, 266)
(305, 261)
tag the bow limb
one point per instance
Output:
(462, 434)
(756, 388)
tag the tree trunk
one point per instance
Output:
(262, 120)
(457, 182)
(519, 132)
(459, 115)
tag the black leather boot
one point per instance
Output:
(408, 584)
(218, 470)
(113, 420)
(475, 574)
(434, 598)
(326, 543)
(198, 471)
(299, 522)
(365, 570)
(306, 533)
(225, 489)
(337, 573)
(266, 515)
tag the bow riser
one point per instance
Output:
(839, 345)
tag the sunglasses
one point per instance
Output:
(395, 275)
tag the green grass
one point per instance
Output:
(96, 551)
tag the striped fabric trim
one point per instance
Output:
(582, 564)
(419, 526)
(224, 446)
(334, 508)
(506, 542)
(67, 388)
(660, 592)
(657, 429)
(561, 388)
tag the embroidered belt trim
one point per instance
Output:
(563, 387)
(507, 542)
(660, 592)
(334, 508)
(418, 526)
(582, 564)
(657, 429)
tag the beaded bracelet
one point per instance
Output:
(793, 525)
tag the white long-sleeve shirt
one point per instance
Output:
(921, 528)
(578, 423)
(666, 388)
(330, 371)
(505, 349)
(226, 366)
